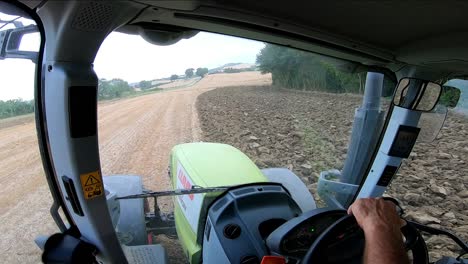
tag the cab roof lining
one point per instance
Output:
(392, 32)
(386, 24)
(427, 36)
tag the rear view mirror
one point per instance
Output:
(417, 94)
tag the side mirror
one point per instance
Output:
(417, 94)
(11, 38)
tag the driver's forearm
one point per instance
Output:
(384, 246)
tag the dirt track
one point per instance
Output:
(135, 136)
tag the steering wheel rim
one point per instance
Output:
(347, 228)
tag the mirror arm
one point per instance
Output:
(10, 41)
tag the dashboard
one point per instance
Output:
(295, 237)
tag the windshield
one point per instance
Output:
(282, 108)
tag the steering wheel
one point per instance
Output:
(343, 242)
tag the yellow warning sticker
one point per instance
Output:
(91, 183)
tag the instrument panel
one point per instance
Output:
(299, 240)
(295, 237)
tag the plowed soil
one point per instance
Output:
(135, 136)
(308, 132)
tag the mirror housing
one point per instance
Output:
(416, 94)
(165, 38)
(10, 41)
(158, 34)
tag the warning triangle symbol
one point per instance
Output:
(91, 180)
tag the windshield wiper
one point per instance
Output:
(176, 192)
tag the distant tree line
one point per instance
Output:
(15, 107)
(115, 88)
(296, 69)
(236, 70)
(189, 73)
(201, 72)
(107, 89)
(174, 77)
(232, 70)
(144, 85)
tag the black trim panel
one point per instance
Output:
(404, 141)
(387, 175)
(82, 102)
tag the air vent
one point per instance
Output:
(243, 191)
(219, 204)
(272, 188)
(93, 16)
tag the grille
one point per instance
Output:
(93, 16)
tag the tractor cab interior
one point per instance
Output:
(323, 115)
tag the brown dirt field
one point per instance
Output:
(179, 83)
(17, 120)
(135, 137)
(308, 132)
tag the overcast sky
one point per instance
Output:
(131, 58)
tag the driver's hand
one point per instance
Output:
(381, 224)
(376, 214)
